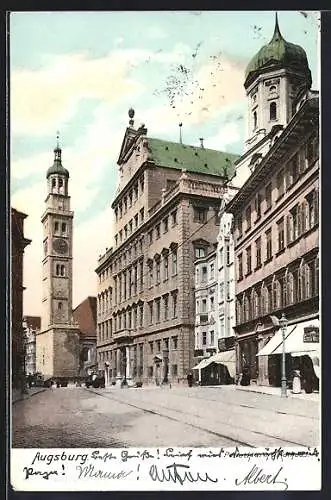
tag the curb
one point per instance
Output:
(290, 395)
(27, 396)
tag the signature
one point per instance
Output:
(90, 471)
(29, 471)
(258, 476)
(178, 473)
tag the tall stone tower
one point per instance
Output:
(57, 344)
(272, 80)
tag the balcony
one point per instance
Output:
(123, 336)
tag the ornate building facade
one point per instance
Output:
(31, 325)
(57, 343)
(18, 244)
(276, 213)
(166, 211)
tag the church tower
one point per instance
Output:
(272, 80)
(57, 344)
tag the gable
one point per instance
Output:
(130, 139)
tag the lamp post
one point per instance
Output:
(283, 325)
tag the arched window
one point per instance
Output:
(254, 120)
(273, 111)
(53, 183)
(59, 306)
(57, 269)
(63, 270)
(290, 288)
(60, 182)
(272, 89)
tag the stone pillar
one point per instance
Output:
(118, 366)
(128, 371)
(107, 377)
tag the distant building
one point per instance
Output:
(206, 334)
(166, 211)
(85, 316)
(226, 277)
(276, 217)
(215, 305)
(18, 244)
(31, 325)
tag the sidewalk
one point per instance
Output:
(276, 391)
(18, 396)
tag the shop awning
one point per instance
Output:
(203, 363)
(226, 358)
(298, 340)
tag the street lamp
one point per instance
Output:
(282, 323)
(283, 326)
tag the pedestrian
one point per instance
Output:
(190, 379)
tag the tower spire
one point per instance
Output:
(277, 34)
(57, 150)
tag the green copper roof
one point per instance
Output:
(193, 159)
(279, 52)
(57, 167)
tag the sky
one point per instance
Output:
(79, 73)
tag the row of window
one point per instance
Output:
(155, 233)
(202, 339)
(60, 270)
(160, 309)
(167, 304)
(272, 114)
(60, 227)
(128, 200)
(156, 345)
(127, 256)
(301, 218)
(293, 286)
(129, 228)
(202, 275)
(201, 305)
(59, 182)
(285, 180)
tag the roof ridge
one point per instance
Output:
(192, 146)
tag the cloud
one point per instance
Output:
(45, 99)
(227, 134)
(220, 84)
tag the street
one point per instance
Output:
(162, 416)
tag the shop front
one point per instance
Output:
(218, 369)
(302, 351)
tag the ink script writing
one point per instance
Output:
(29, 471)
(257, 476)
(178, 473)
(91, 472)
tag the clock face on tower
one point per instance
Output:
(60, 245)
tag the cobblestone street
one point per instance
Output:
(181, 416)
